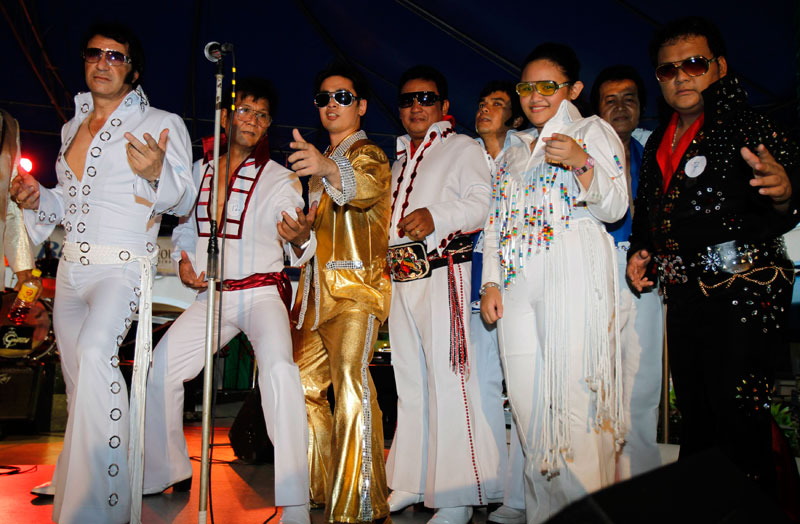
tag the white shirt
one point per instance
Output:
(110, 205)
(452, 181)
(254, 210)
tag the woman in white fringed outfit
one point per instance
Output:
(549, 277)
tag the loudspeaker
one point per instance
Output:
(704, 488)
(26, 393)
(248, 434)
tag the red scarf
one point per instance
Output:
(669, 160)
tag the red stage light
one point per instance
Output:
(26, 164)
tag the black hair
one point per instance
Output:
(425, 72)
(684, 27)
(125, 36)
(510, 89)
(615, 73)
(561, 55)
(345, 69)
(258, 88)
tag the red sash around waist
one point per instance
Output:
(278, 279)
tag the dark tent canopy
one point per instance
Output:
(289, 41)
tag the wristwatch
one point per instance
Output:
(584, 168)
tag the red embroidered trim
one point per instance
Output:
(239, 223)
(410, 187)
(459, 361)
(471, 444)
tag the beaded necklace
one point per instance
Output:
(410, 187)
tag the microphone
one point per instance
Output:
(215, 50)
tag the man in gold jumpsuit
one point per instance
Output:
(343, 298)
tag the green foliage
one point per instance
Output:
(788, 423)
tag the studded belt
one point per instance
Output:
(409, 261)
(92, 254)
(730, 257)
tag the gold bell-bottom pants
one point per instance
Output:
(345, 449)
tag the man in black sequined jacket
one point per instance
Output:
(714, 199)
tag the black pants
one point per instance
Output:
(722, 352)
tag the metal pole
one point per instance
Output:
(665, 382)
(212, 278)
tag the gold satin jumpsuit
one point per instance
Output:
(343, 298)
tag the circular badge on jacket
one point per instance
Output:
(696, 166)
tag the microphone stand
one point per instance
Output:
(213, 279)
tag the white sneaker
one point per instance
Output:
(44, 490)
(400, 500)
(295, 515)
(456, 515)
(507, 515)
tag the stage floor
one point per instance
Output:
(241, 493)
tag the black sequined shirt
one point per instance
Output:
(718, 204)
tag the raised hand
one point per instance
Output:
(297, 231)
(563, 150)
(768, 174)
(24, 190)
(146, 159)
(308, 161)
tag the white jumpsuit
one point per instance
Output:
(444, 445)
(642, 343)
(545, 243)
(110, 210)
(512, 460)
(252, 246)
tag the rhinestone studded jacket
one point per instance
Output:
(714, 204)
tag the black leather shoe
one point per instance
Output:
(184, 486)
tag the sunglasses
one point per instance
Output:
(343, 97)
(543, 87)
(116, 58)
(692, 66)
(245, 113)
(423, 98)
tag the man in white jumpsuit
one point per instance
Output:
(121, 165)
(444, 451)
(618, 96)
(499, 114)
(255, 300)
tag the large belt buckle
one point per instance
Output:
(408, 262)
(736, 257)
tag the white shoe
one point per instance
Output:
(456, 515)
(400, 500)
(295, 515)
(44, 490)
(507, 515)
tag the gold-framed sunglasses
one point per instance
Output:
(543, 87)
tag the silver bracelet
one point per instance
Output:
(487, 285)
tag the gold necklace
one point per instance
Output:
(89, 124)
